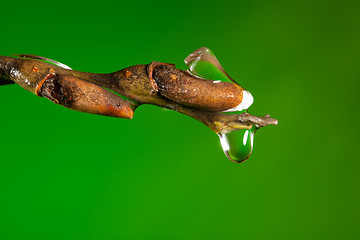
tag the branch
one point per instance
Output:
(157, 83)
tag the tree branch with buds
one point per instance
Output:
(118, 94)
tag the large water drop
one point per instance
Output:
(203, 63)
(238, 145)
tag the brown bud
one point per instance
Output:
(86, 97)
(203, 94)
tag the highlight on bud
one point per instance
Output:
(246, 102)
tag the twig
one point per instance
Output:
(159, 84)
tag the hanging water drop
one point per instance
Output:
(238, 145)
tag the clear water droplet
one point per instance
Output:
(238, 145)
(203, 63)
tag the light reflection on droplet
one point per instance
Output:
(238, 145)
(203, 63)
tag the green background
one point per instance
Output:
(163, 175)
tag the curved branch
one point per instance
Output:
(198, 98)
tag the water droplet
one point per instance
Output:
(238, 145)
(203, 63)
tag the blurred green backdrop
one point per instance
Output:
(162, 175)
